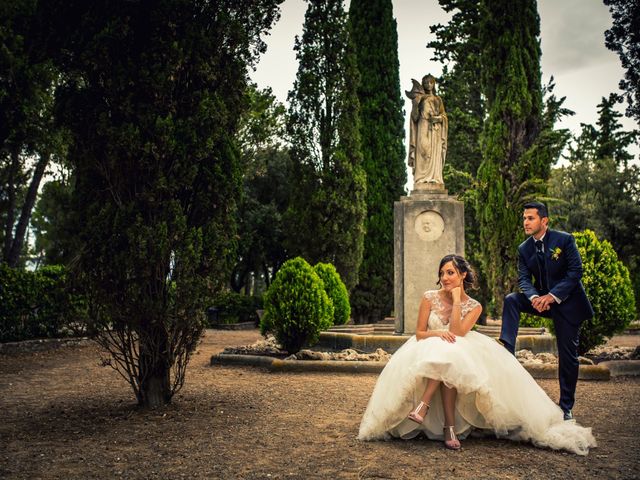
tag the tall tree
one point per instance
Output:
(599, 189)
(328, 208)
(29, 139)
(374, 34)
(624, 39)
(510, 55)
(266, 184)
(154, 91)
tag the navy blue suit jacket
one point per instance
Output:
(564, 271)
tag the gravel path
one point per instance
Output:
(64, 416)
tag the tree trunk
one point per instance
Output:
(27, 208)
(11, 195)
(154, 368)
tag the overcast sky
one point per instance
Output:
(572, 39)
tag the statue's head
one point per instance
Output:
(429, 83)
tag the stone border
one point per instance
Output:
(537, 370)
(390, 343)
(233, 326)
(43, 344)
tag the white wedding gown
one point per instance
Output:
(495, 392)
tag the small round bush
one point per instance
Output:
(608, 285)
(296, 306)
(337, 291)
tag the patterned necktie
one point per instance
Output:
(542, 265)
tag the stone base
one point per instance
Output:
(428, 225)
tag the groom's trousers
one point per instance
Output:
(567, 337)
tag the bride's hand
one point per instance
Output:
(456, 294)
(447, 336)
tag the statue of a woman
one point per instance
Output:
(428, 134)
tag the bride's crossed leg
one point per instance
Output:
(448, 404)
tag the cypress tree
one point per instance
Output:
(327, 207)
(154, 94)
(510, 55)
(375, 37)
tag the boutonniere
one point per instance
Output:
(556, 252)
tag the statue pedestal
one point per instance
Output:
(428, 225)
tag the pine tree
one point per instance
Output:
(510, 54)
(328, 208)
(375, 36)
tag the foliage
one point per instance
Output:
(336, 291)
(327, 208)
(52, 223)
(38, 304)
(374, 34)
(153, 96)
(29, 138)
(266, 181)
(296, 306)
(600, 190)
(235, 307)
(608, 286)
(624, 39)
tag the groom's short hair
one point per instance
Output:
(540, 207)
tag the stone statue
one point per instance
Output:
(428, 134)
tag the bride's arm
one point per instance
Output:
(422, 328)
(461, 326)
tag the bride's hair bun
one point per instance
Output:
(462, 266)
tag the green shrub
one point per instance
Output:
(608, 286)
(39, 304)
(336, 290)
(236, 307)
(296, 306)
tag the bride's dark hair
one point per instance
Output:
(461, 266)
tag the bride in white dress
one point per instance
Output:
(447, 381)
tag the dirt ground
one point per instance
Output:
(64, 416)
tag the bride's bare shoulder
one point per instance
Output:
(429, 294)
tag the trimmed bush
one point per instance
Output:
(235, 307)
(296, 306)
(336, 290)
(608, 286)
(39, 304)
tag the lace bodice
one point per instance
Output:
(440, 313)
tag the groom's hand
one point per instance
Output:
(543, 303)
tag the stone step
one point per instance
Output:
(494, 330)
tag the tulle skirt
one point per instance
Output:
(495, 393)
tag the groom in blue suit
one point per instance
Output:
(549, 273)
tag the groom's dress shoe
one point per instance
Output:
(568, 415)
